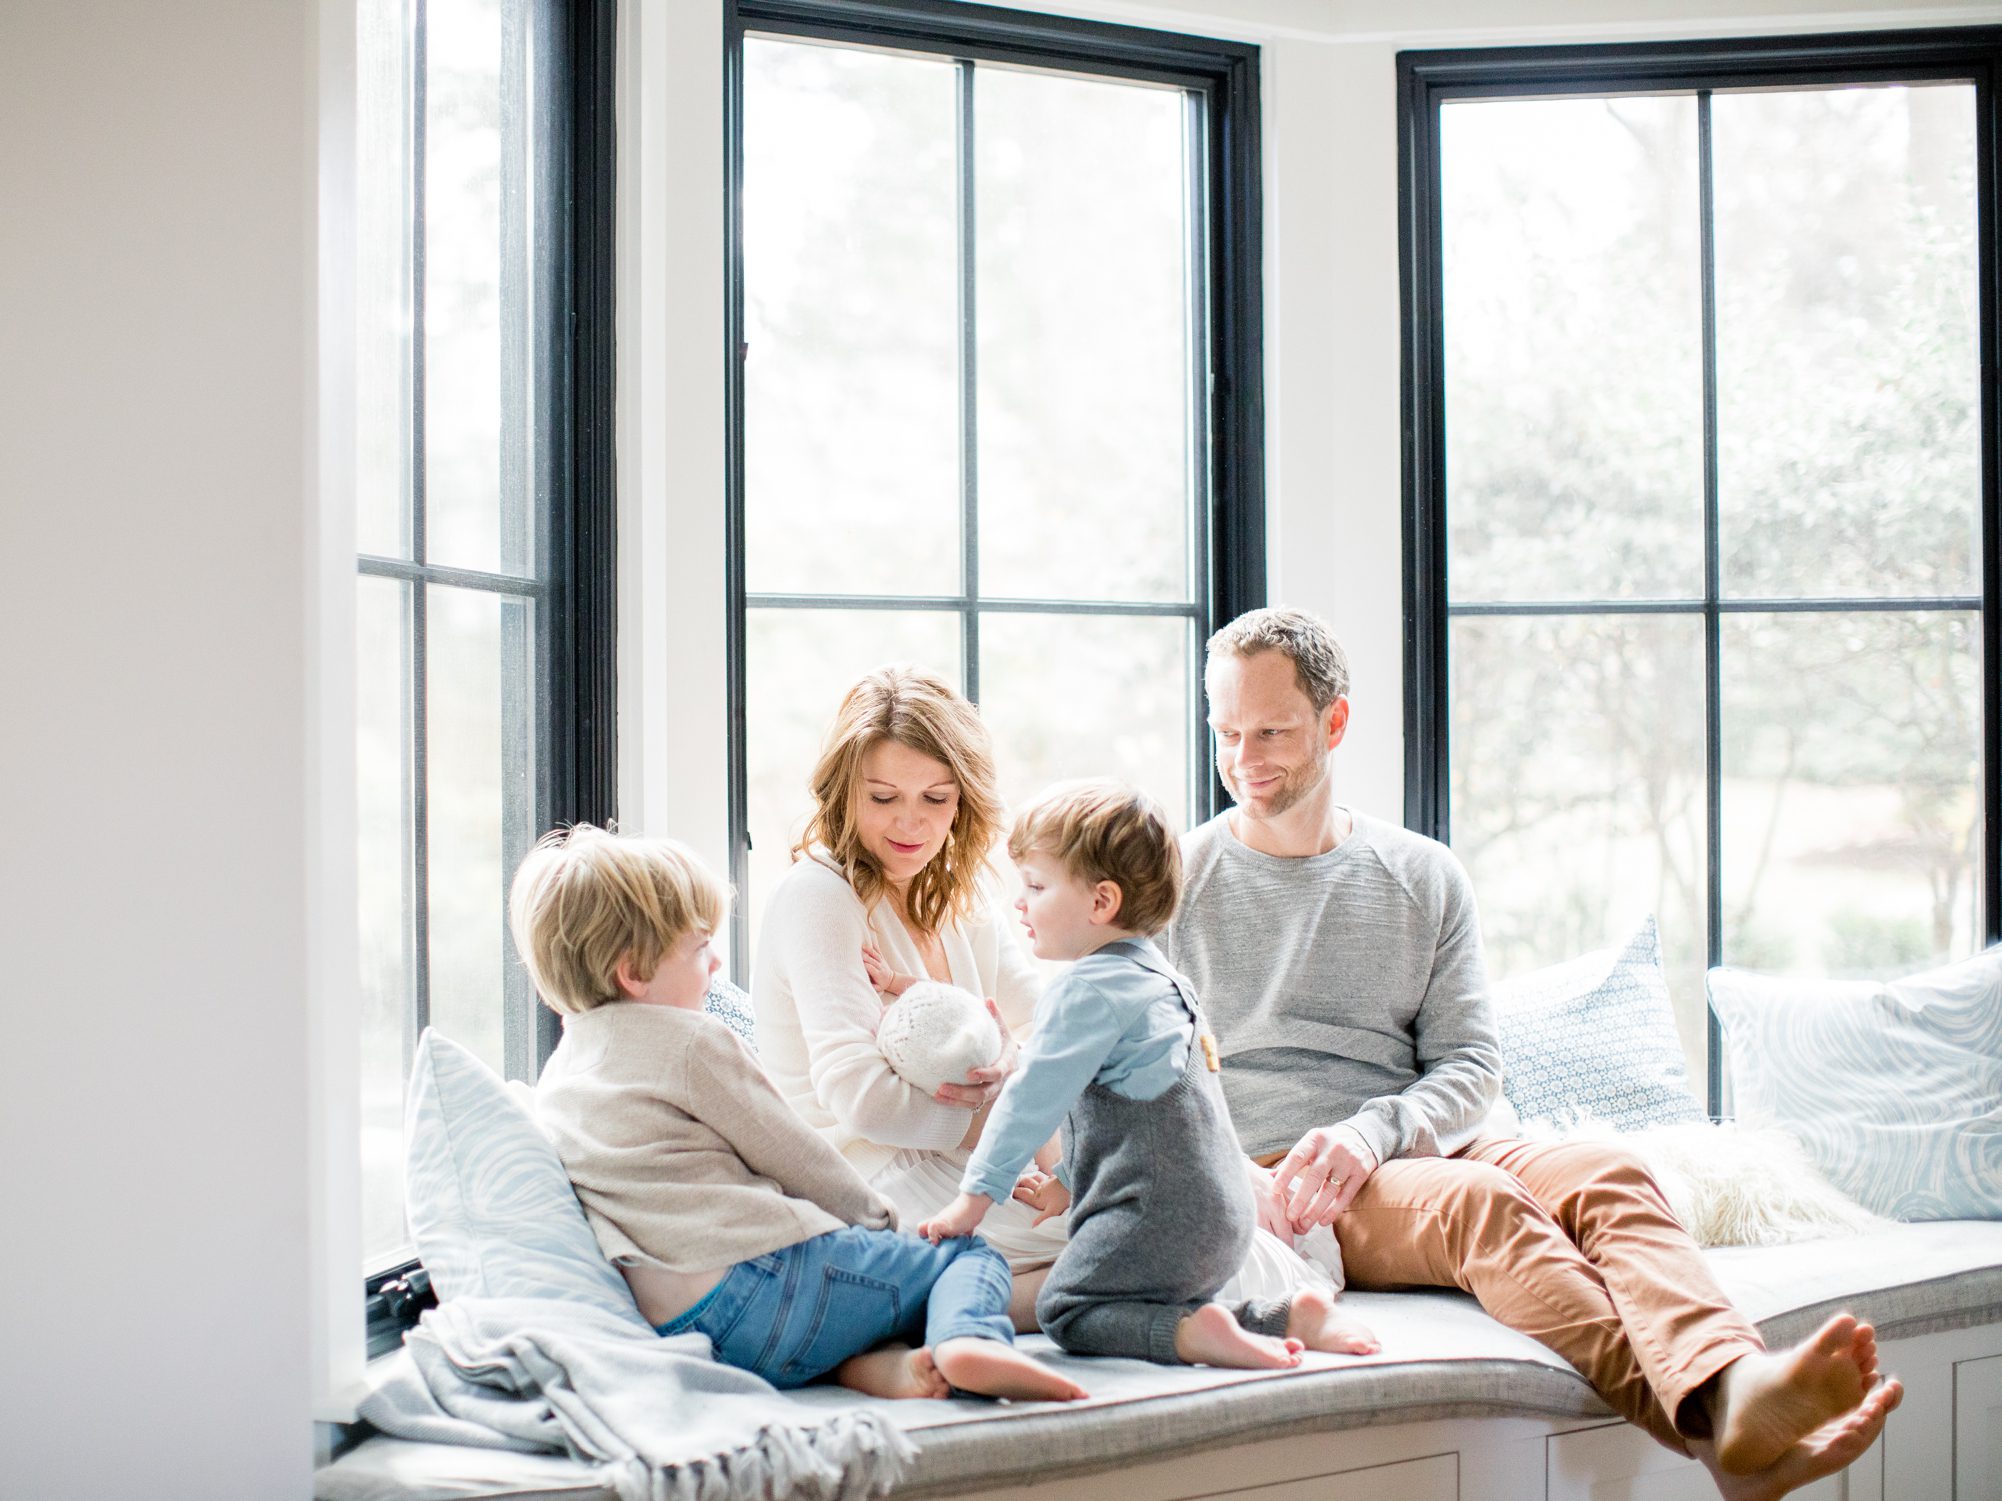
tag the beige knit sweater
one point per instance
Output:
(682, 1153)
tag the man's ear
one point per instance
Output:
(1106, 900)
(1336, 721)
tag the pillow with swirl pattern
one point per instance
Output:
(1895, 1089)
(490, 1207)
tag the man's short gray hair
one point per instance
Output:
(1319, 663)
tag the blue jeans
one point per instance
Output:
(797, 1313)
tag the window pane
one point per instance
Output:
(463, 346)
(1849, 383)
(1573, 349)
(1084, 368)
(1852, 806)
(480, 790)
(382, 280)
(798, 665)
(1578, 790)
(1089, 696)
(851, 318)
(383, 813)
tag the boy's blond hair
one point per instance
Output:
(1108, 831)
(584, 899)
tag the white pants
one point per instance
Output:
(920, 1184)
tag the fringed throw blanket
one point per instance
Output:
(662, 1420)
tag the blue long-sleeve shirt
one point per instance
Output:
(1109, 1019)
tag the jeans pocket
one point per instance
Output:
(748, 1286)
(852, 1312)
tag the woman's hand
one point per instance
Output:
(1322, 1174)
(961, 1217)
(1043, 1192)
(983, 1084)
(889, 984)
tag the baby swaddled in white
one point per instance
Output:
(934, 1033)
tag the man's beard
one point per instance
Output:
(1291, 792)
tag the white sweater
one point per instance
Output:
(817, 1012)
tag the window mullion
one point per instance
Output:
(417, 603)
(1713, 629)
(969, 384)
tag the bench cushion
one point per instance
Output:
(1442, 1358)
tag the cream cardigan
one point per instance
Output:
(681, 1152)
(817, 1012)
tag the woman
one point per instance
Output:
(895, 858)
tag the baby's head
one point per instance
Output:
(1099, 861)
(601, 917)
(935, 1033)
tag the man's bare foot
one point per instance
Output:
(1319, 1324)
(1834, 1446)
(894, 1371)
(1211, 1336)
(991, 1369)
(1766, 1403)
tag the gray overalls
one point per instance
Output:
(1161, 1209)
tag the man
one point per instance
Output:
(1340, 958)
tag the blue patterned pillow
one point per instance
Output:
(732, 1007)
(1895, 1089)
(490, 1207)
(1595, 1036)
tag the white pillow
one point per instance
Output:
(1895, 1089)
(934, 1032)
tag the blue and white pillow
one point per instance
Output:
(490, 1207)
(1595, 1036)
(1895, 1089)
(731, 1006)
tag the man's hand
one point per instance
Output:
(887, 981)
(1319, 1178)
(1044, 1193)
(982, 1084)
(961, 1217)
(1269, 1203)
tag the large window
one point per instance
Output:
(1697, 549)
(483, 710)
(995, 318)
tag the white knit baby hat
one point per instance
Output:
(934, 1032)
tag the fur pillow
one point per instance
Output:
(1730, 1185)
(934, 1032)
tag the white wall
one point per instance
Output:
(156, 361)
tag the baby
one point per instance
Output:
(1160, 1201)
(728, 1215)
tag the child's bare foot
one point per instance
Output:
(1765, 1404)
(992, 1369)
(894, 1371)
(1834, 1446)
(1316, 1322)
(1211, 1336)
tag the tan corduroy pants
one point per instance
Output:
(1570, 1243)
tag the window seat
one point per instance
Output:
(1443, 1360)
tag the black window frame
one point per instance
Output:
(571, 46)
(1226, 75)
(1428, 79)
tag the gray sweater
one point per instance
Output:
(1344, 987)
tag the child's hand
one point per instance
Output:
(961, 1217)
(1044, 1193)
(886, 980)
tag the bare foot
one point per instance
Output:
(1212, 1336)
(1834, 1446)
(992, 1369)
(894, 1371)
(1317, 1323)
(1765, 1404)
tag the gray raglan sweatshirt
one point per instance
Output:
(1347, 986)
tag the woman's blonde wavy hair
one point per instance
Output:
(922, 712)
